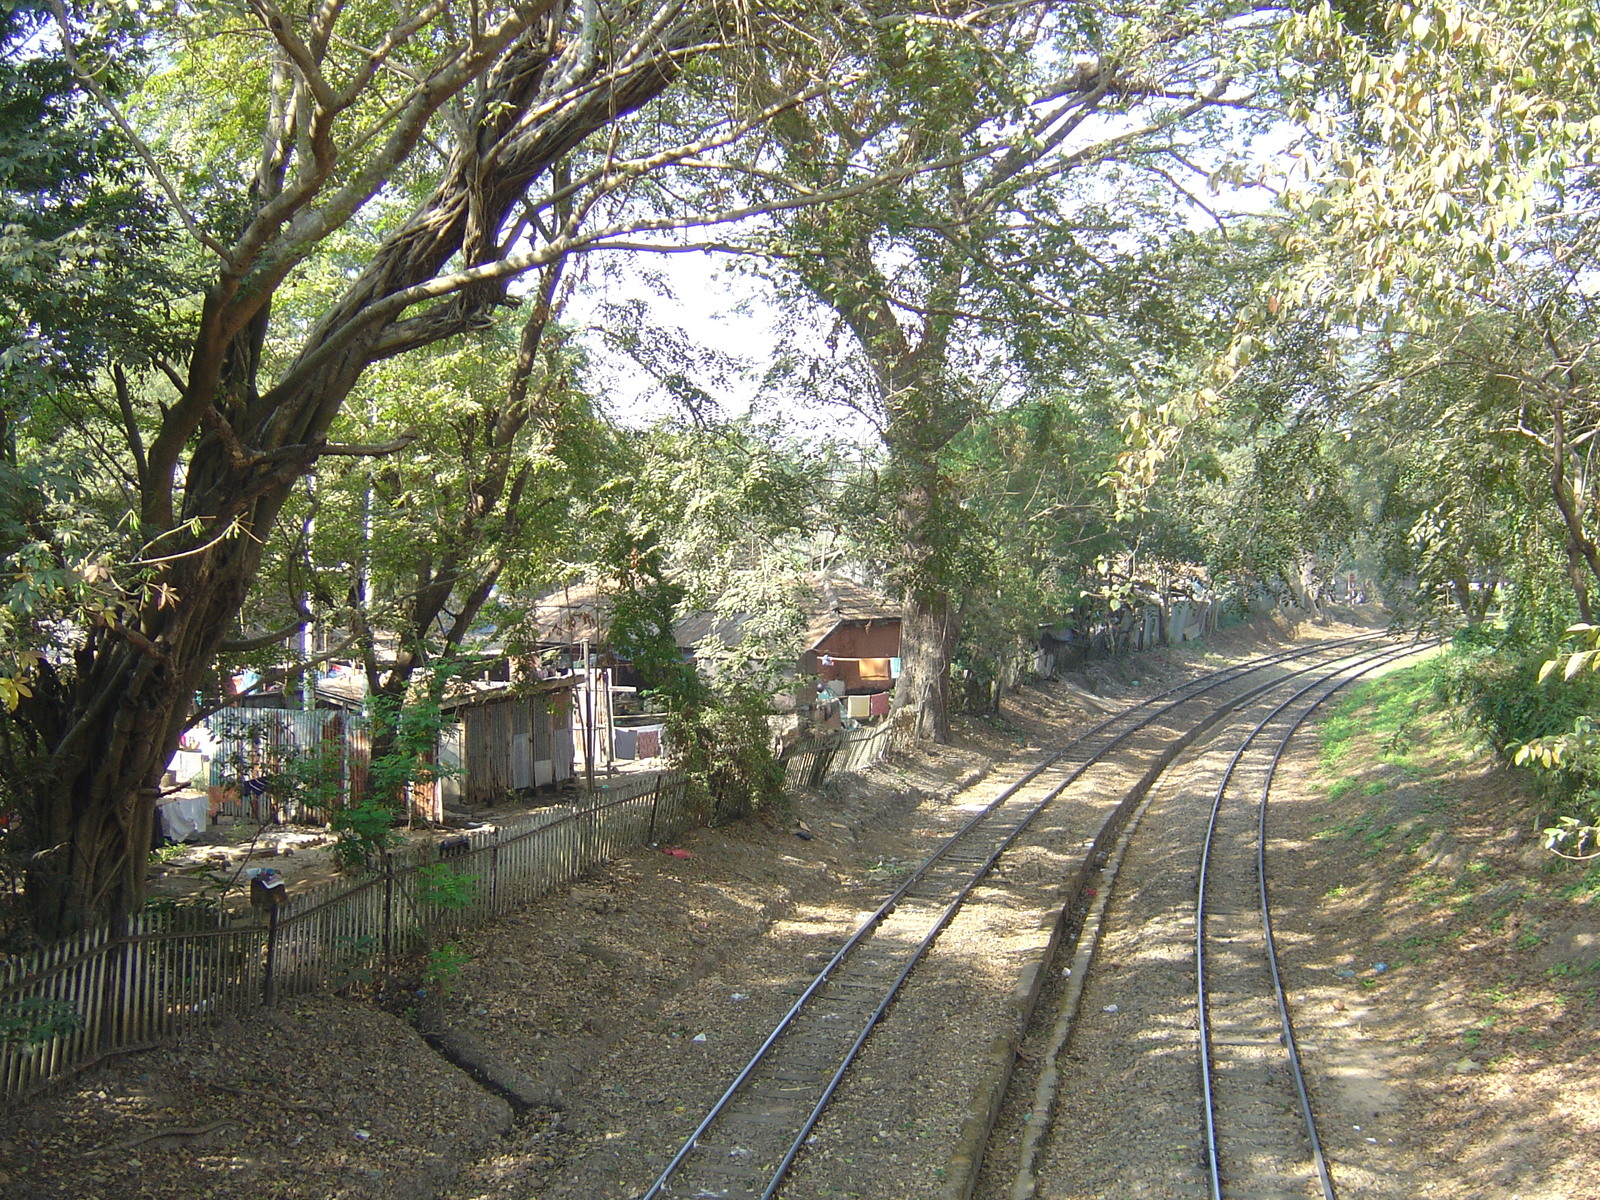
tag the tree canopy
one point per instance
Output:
(285, 342)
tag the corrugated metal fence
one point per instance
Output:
(101, 993)
(325, 752)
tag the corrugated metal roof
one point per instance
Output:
(483, 692)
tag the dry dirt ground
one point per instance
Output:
(632, 998)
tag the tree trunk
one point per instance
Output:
(1583, 555)
(1303, 587)
(90, 824)
(931, 620)
(929, 626)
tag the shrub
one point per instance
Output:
(362, 833)
(1530, 716)
(723, 747)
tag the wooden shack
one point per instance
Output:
(852, 636)
(514, 738)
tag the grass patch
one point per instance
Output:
(1586, 887)
(1384, 710)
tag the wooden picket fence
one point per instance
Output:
(807, 764)
(169, 971)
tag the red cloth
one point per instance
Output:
(879, 704)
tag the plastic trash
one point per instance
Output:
(1380, 968)
(699, 1037)
(676, 853)
(1344, 972)
(1110, 1008)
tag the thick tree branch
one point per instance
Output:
(262, 640)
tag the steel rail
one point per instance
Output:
(1159, 704)
(1213, 1155)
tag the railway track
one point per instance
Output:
(1261, 1131)
(1258, 1135)
(746, 1143)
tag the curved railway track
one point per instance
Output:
(748, 1140)
(1249, 1096)
(1260, 1129)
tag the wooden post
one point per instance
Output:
(494, 874)
(115, 1018)
(588, 720)
(388, 909)
(272, 948)
(266, 894)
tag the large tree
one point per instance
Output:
(1055, 146)
(1452, 209)
(442, 150)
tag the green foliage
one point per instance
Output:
(1512, 695)
(82, 242)
(1038, 529)
(501, 447)
(1042, 266)
(643, 618)
(284, 191)
(442, 966)
(1570, 759)
(1498, 689)
(706, 520)
(409, 727)
(363, 833)
(439, 885)
(33, 1022)
(315, 777)
(723, 747)
(1452, 184)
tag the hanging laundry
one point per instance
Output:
(879, 702)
